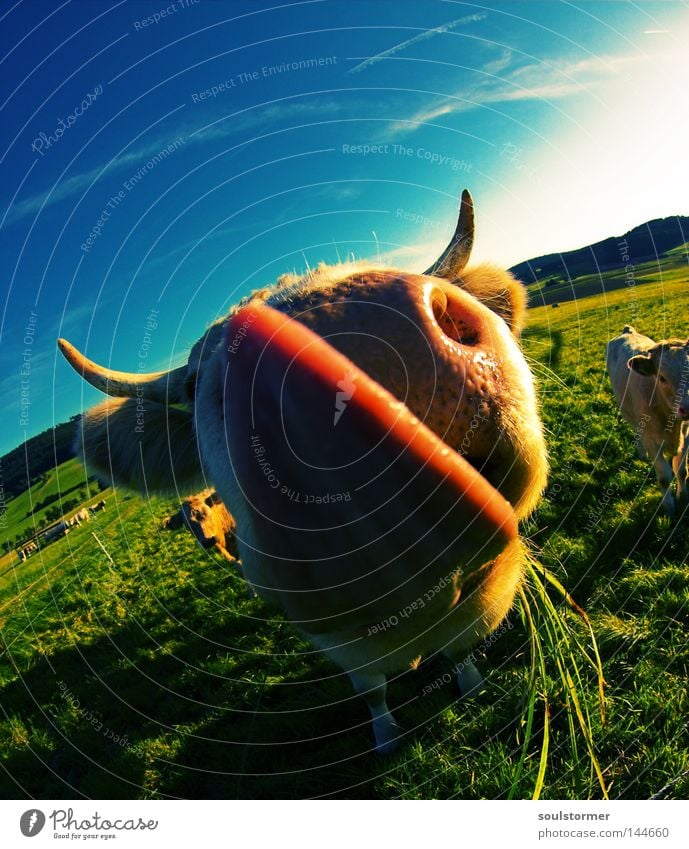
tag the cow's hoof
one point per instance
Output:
(387, 736)
(470, 681)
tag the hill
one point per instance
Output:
(640, 245)
(25, 464)
(55, 492)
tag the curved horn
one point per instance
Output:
(456, 254)
(165, 387)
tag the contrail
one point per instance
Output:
(422, 36)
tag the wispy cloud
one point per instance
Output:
(546, 80)
(79, 182)
(226, 126)
(422, 36)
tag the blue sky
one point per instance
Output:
(174, 156)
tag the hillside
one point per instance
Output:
(25, 464)
(58, 491)
(640, 245)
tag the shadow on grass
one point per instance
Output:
(214, 716)
(548, 349)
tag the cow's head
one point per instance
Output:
(667, 363)
(350, 419)
(205, 516)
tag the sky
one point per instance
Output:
(160, 160)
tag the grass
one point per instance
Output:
(134, 664)
(63, 483)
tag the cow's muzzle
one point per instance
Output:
(342, 479)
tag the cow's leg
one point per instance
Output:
(665, 477)
(469, 680)
(371, 687)
(679, 465)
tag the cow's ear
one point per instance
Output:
(499, 291)
(213, 498)
(642, 364)
(171, 523)
(141, 445)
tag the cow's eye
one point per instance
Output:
(662, 379)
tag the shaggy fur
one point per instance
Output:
(472, 319)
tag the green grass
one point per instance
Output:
(124, 630)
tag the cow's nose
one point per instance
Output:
(458, 316)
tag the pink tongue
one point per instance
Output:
(358, 507)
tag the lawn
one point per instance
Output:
(135, 665)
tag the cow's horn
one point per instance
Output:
(163, 386)
(456, 254)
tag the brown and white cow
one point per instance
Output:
(375, 434)
(208, 520)
(82, 515)
(650, 381)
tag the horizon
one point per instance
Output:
(175, 164)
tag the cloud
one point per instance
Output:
(546, 80)
(79, 182)
(226, 126)
(423, 36)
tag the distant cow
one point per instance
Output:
(25, 551)
(76, 519)
(208, 520)
(651, 384)
(84, 515)
(556, 306)
(96, 507)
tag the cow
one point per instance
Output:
(208, 520)
(376, 435)
(82, 515)
(26, 550)
(95, 508)
(650, 381)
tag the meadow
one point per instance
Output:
(134, 665)
(59, 490)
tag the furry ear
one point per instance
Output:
(141, 445)
(499, 291)
(642, 364)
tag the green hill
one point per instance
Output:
(58, 491)
(670, 268)
(23, 466)
(640, 245)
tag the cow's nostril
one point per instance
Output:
(451, 321)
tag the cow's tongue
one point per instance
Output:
(359, 508)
